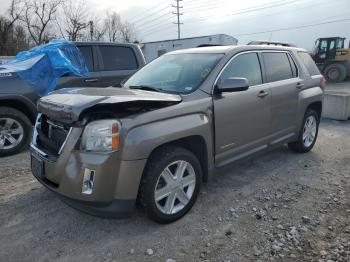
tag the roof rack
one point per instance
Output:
(263, 42)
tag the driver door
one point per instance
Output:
(242, 119)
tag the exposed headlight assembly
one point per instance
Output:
(101, 136)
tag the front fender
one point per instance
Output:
(142, 140)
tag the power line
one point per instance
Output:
(249, 10)
(158, 4)
(200, 19)
(154, 19)
(296, 27)
(157, 24)
(207, 3)
(203, 8)
(162, 28)
(146, 17)
(179, 14)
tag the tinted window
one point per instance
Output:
(87, 53)
(277, 67)
(246, 66)
(118, 58)
(309, 63)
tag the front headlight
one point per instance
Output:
(101, 136)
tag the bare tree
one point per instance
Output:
(38, 15)
(128, 33)
(113, 25)
(76, 19)
(98, 29)
(7, 26)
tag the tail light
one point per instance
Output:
(323, 82)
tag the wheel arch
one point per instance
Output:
(21, 105)
(197, 145)
(317, 106)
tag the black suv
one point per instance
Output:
(109, 64)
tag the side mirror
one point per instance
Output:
(233, 84)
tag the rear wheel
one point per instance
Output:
(15, 131)
(335, 73)
(170, 184)
(308, 133)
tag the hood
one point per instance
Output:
(68, 103)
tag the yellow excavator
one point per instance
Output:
(332, 58)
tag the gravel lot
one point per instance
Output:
(278, 207)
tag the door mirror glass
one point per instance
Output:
(233, 84)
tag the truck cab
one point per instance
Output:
(332, 58)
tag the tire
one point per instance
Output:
(170, 157)
(301, 145)
(335, 73)
(14, 121)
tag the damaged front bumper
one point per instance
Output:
(100, 184)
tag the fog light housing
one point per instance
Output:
(88, 181)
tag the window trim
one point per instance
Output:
(94, 67)
(288, 54)
(262, 66)
(229, 62)
(101, 67)
(290, 59)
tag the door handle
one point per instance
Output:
(299, 85)
(92, 80)
(262, 94)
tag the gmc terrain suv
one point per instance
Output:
(157, 138)
(108, 65)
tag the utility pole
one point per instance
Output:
(91, 23)
(178, 14)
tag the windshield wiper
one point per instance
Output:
(147, 88)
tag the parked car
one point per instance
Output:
(108, 63)
(157, 138)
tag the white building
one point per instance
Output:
(152, 50)
(4, 59)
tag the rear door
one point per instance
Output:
(281, 74)
(94, 78)
(117, 63)
(242, 119)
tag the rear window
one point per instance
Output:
(309, 63)
(118, 58)
(87, 53)
(277, 67)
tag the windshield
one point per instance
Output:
(178, 73)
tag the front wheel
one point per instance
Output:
(308, 133)
(170, 184)
(15, 131)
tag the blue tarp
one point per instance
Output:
(43, 65)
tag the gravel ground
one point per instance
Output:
(278, 207)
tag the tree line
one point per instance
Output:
(34, 22)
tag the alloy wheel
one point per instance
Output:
(309, 131)
(175, 187)
(11, 133)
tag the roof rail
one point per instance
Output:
(263, 42)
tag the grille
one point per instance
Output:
(51, 135)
